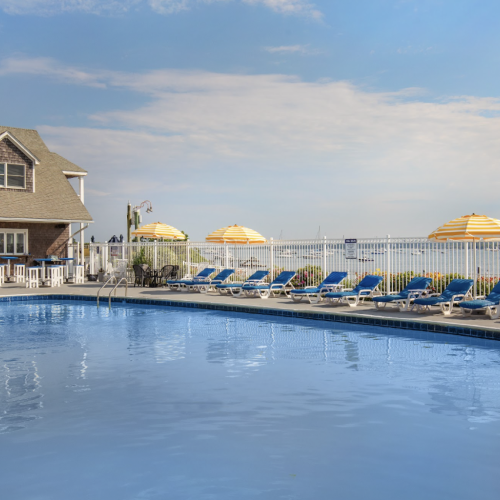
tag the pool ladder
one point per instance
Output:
(113, 289)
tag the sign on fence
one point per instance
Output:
(351, 249)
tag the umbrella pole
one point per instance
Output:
(475, 272)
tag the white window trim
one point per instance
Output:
(5, 186)
(5, 231)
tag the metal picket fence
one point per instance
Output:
(397, 259)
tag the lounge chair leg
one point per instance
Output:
(297, 298)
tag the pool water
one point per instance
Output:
(143, 402)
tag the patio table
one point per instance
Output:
(43, 276)
(155, 276)
(8, 275)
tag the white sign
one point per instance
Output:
(351, 249)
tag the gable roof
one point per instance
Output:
(54, 198)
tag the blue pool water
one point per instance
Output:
(159, 403)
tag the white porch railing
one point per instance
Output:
(395, 258)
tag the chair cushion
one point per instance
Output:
(431, 301)
(229, 285)
(389, 298)
(477, 304)
(302, 292)
(256, 287)
(338, 295)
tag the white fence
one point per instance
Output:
(395, 258)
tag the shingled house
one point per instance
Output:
(37, 202)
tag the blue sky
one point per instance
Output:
(366, 118)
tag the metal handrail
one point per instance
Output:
(112, 278)
(116, 286)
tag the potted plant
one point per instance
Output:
(101, 275)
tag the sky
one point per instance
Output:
(350, 119)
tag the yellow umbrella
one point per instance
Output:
(159, 230)
(236, 234)
(469, 228)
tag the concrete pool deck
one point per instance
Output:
(472, 326)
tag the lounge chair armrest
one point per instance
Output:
(415, 294)
(459, 297)
(369, 290)
(348, 289)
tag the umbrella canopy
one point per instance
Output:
(236, 234)
(159, 230)
(468, 228)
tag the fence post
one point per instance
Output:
(91, 258)
(155, 255)
(226, 251)
(388, 266)
(271, 258)
(188, 258)
(466, 243)
(324, 257)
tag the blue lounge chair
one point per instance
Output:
(204, 286)
(315, 294)
(490, 304)
(455, 292)
(237, 288)
(365, 289)
(201, 276)
(277, 286)
(403, 299)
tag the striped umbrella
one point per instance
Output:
(236, 234)
(159, 230)
(469, 228)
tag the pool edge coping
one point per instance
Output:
(332, 316)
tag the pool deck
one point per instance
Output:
(475, 326)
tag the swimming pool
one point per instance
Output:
(144, 402)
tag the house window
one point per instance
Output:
(12, 176)
(13, 241)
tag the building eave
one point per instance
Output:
(46, 221)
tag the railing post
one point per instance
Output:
(188, 258)
(155, 255)
(324, 257)
(271, 258)
(388, 265)
(226, 248)
(92, 258)
(466, 244)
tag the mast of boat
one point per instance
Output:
(318, 236)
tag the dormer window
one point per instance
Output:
(12, 176)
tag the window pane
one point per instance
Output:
(15, 175)
(2, 176)
(10, 243)
(2, 242)
(2, 180)
(15, 181)
(2, 168)
(20, 243)
(15, 170)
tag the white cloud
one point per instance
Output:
(110, 7)
(291, 49)
(398, 161)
